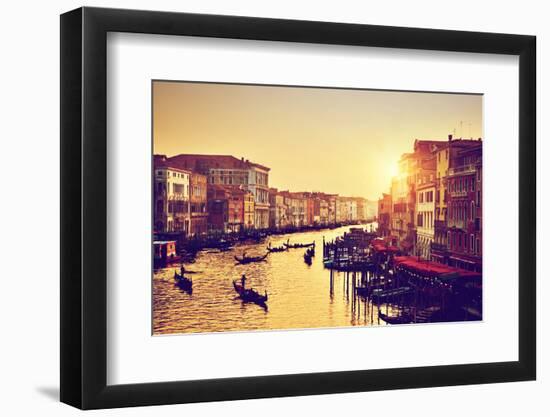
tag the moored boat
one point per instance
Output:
(402, 318)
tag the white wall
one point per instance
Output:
(30, 175)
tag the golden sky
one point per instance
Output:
(313, 139)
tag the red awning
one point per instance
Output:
(430, 268)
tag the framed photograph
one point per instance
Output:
(257, 208)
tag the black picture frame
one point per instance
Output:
(84, 207)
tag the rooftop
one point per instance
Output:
(198, 161)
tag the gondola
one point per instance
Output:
(184, 283)
(249, 295)
(299, 245)
(402, 318)
(249, 259)
(277, 249)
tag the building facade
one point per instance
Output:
(230, 171)
(445, 158)
(171, 198)
(384, 215)
(230, 209)
(278, 210)
(464, 224)
(198, 200)
(425, 218)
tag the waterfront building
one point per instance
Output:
(277, 210)
(346, 209)
(228, 208)
(249, 210)
(331, 199)
(384, 215)
(296, 206)
(371, 209)
(362, 209)
(230, 171)
(171, 197)
(444, 156)
(310, 209)
(324, 211)
(307, 200)
(324, 208)
(352, 209)
(425, 215)
(198, 200)
(439, 245)
(402, 211)
(464, 223)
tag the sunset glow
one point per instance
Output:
(334, 140)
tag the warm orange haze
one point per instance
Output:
(290, 207)
(305, 134)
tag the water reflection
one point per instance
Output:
(300, 295)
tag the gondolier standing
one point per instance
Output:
(243, 280)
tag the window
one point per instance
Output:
(478, 199)
(478, 247)
(472, 211)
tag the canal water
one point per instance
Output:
(300, 296)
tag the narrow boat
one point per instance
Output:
(402, 318)
(184, 283)
(277, 249)
(249, 295)
(299, 245)
(379, 294)
(249, 259)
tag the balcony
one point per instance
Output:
(438, 247)
(463, 169)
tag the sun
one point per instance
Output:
(393, 169)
